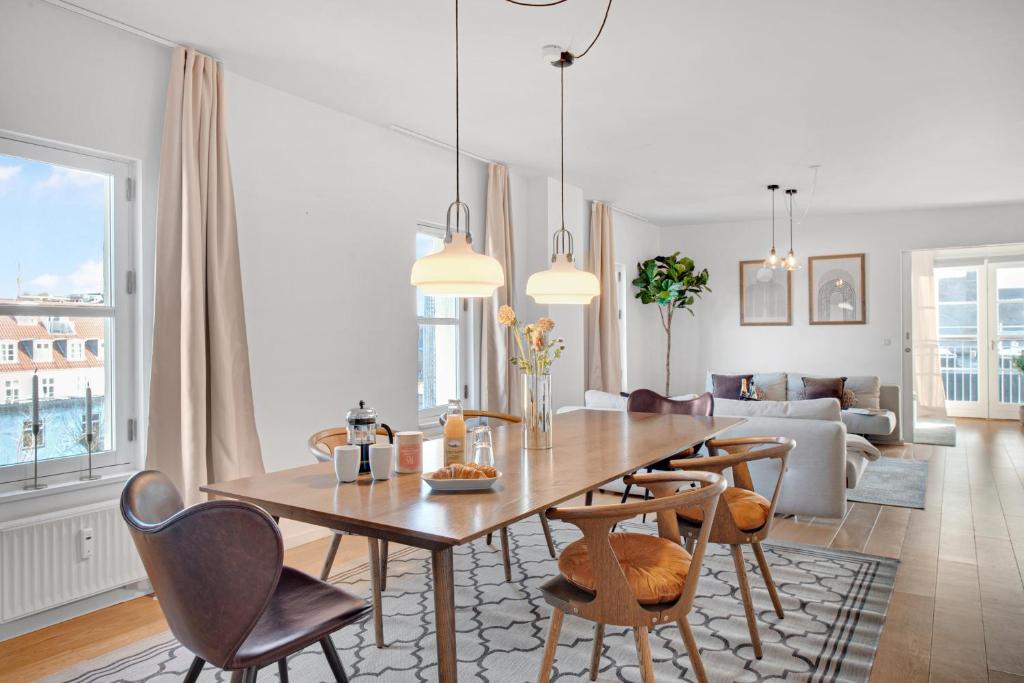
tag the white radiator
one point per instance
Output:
(41, 563)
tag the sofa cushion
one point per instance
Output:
(816, 409)
(602, 400)
(823, 387)
(728, 386)
(866, 388)
(879, 423)
(772, 383)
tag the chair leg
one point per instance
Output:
(643, 651)
(547, 535)
(588, 499)
(282, 670)
(647, 496)
(245, 675)
(490, 537)
(332, 659)
(769, 582)
(552, 645)
(383, 565)
(332, 551)
(748, 602)
(506, 560)
(194, 670)
(625, 494)
(378, 615)
(693, 650)
(595, 657)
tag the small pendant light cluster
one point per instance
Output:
(563, 282)
(457, 270)
(773, 261)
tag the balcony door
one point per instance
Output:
(981, 331)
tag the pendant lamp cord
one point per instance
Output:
(458, 153)
(561, 129)
(773, 219)
(552, 3)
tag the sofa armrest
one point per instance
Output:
(889, 398)
(815, 481)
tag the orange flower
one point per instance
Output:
(545, 324)
(506, 316)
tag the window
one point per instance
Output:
(67, 237)
(76, 350)
(442, 339)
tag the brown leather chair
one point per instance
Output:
(631, 579)
(486, 416)
(217, 570)
(647, 401)
(743, 516)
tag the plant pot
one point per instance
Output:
(537, 412)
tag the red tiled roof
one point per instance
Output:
(85, 328)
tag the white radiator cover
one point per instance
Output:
(40, 561)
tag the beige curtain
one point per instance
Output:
(499, 388)
(928, 389)
(604, 362)
(201, 423)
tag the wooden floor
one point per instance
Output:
(957, 613)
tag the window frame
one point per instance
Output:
(428, 416)
(5, 346)
(119, 308)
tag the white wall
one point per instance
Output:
(637, 241)
(714, 339)
(327, 212)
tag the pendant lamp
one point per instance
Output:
(457, 270)
(563, 282)
(791, 264)
(773, 260)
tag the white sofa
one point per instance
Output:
(882, 425)
(820, 467)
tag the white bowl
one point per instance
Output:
(460, 484)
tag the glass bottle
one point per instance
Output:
(454, 434)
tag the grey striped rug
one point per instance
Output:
(835, 604)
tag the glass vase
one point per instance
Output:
(537, 412)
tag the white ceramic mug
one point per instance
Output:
(346, 463)
(380, 460)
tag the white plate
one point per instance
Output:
(460, 484)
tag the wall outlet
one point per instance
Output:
(85, 544)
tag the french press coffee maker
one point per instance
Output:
(362, 431)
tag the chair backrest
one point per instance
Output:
(614, 602)
(483, 415)
(322, 443)
(214, 566)
(647, 401)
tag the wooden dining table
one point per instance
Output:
(591, 448)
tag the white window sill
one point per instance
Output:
(13, 493)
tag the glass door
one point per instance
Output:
(1006, 339)
(959, 292)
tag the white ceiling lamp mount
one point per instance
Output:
(563, 282)
(457, 270)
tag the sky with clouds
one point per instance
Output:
(52, 222)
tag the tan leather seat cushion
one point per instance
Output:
(655, 567)
(749, 510)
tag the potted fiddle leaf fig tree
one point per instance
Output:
(673, 284)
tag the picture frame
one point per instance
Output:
(766, 295)
(837, 290)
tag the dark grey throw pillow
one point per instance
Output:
(824, 387)
(728, 386)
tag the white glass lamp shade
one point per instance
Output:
(563, 283)
(791, 262)
(457, 270)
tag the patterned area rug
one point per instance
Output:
(835, 605)
(892, 481)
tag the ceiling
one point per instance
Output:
(684, 110)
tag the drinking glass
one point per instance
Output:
(483, 448)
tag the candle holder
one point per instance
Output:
(34, 485)
(90, 438)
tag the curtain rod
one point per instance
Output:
(110, 21)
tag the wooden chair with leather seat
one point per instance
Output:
(321, 445)
(743, 517)
(217, 570)
(647, 401)
(630, 579)
(487, 416)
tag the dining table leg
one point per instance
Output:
(444, 614)
(378, 612)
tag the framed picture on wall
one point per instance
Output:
(836, 289)
(766, 294)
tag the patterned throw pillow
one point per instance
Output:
(849, 399)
